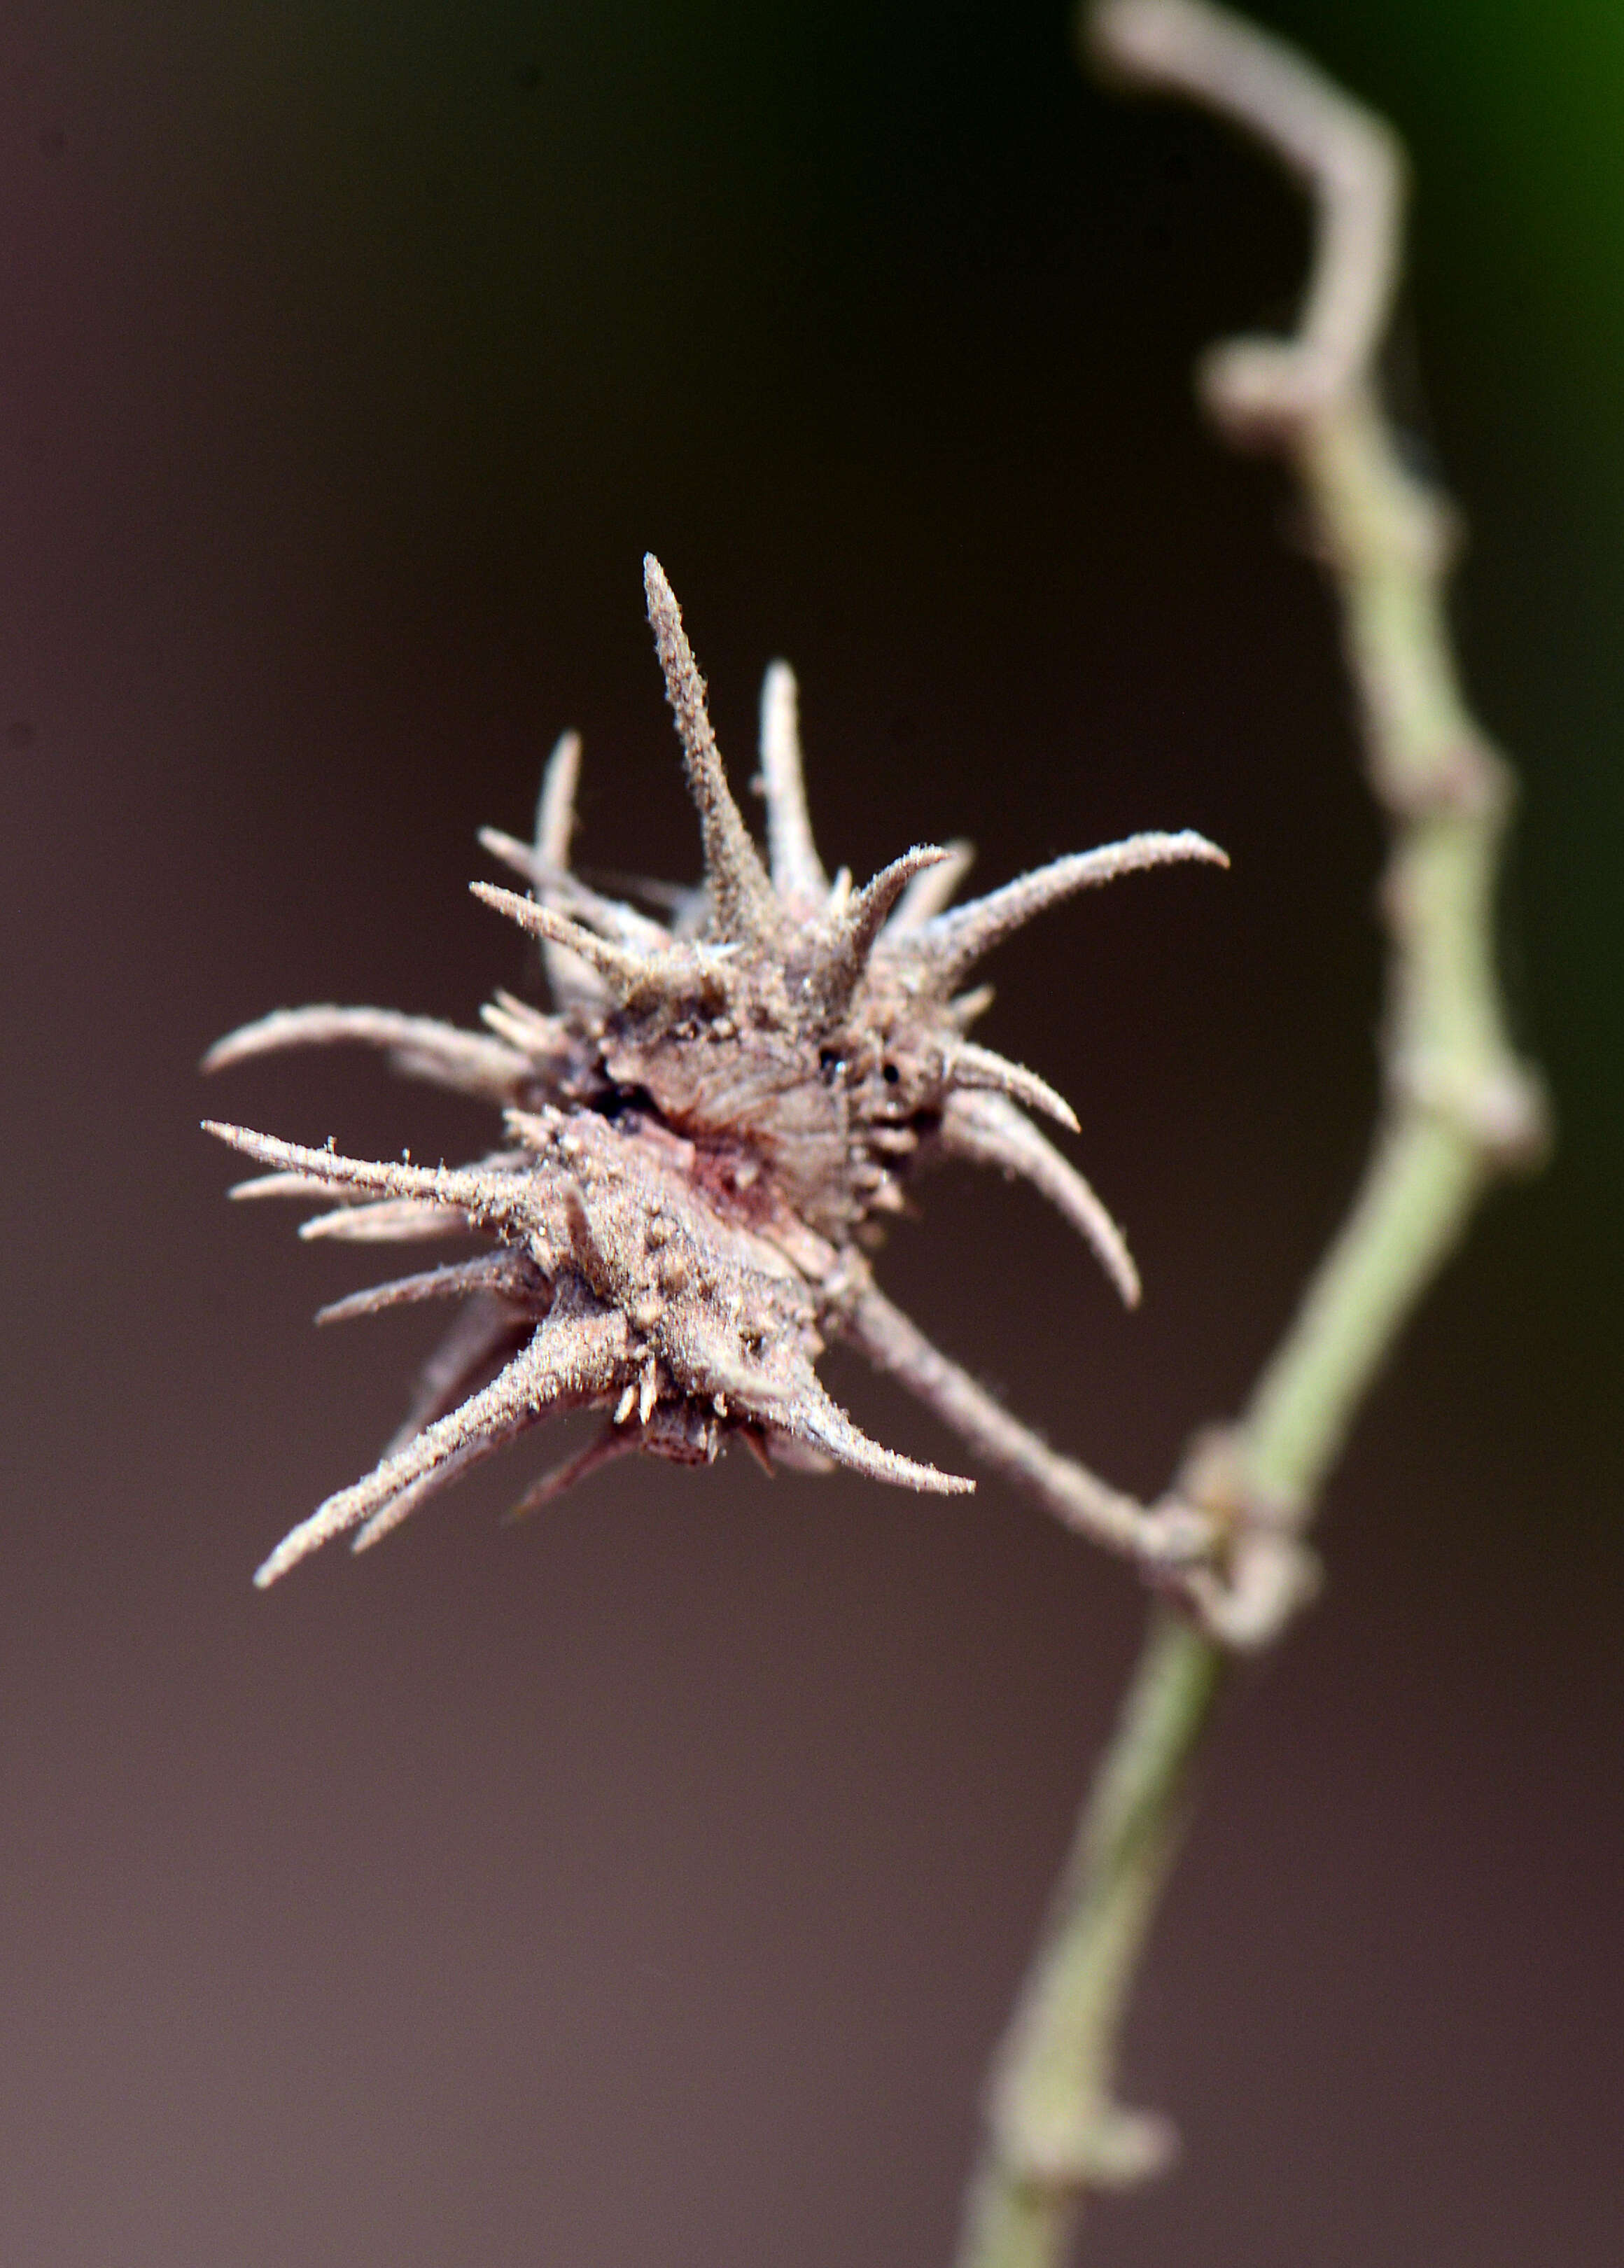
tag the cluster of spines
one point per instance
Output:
(603, 956)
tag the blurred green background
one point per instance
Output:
(650, 1885)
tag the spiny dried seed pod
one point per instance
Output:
(701, 1140)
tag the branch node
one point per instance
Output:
(1270, 1578)
(1261, 1574)
(1261, 393)
(1107, 2148)
(1503, 1109)
(1130, 2146)
(1468, 780)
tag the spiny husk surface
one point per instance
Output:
(701, 1140)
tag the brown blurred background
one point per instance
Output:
(649, 1886)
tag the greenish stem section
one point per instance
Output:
(1417, 1194)
(1460, 1108)
(1056, 2133)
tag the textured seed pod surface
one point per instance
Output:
(701, 1140)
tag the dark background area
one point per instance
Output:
(649, 1885)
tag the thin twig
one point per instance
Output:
(1459, 1107)
(1159, 1539)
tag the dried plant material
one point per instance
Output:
(702, 1140)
